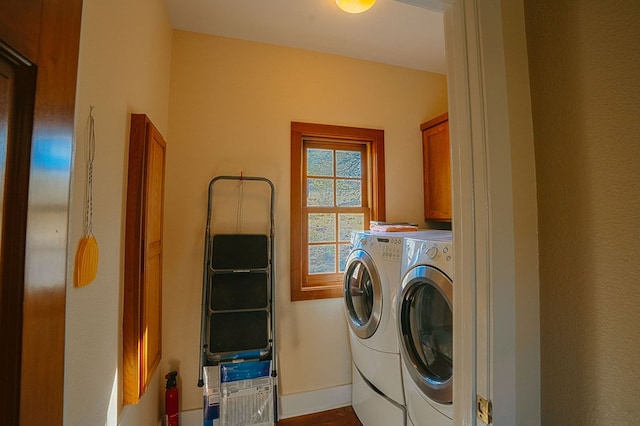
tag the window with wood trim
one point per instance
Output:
(337, 186)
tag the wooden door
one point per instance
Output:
(39, 42)
(17, 92)
(437, 169)
(142, 322)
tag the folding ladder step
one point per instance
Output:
(240, 251)
(238, 332)
(239, 291)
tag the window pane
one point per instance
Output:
(322, 259)
(348, 193)
(319, 162)
(322, 227)
(348, 222)
(348, 164)
(343, 250)
(320, 192)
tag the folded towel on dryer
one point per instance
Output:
(392, 226)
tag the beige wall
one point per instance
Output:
(584, 63)
(124, 68)
(231, 104)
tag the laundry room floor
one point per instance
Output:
(339, 417)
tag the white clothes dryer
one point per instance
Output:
(425, 330)
(371, 284)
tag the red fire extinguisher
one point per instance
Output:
(171, 399)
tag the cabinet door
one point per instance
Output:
(437, 169)
(142, 328)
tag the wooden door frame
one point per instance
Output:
(21, 77)
(47, 34)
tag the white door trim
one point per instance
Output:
(464, 307)
(485, 285)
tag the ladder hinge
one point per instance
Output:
(484, 409)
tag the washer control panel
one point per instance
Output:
(384, 247)
(389, 248)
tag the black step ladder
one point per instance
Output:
(238, 293)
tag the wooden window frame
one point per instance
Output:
(303, 286)
(321, 280)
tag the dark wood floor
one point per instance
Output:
(339, 417)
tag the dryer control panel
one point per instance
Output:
(436, 253)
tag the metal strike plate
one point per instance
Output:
(484, 409)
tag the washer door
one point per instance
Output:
(362, 294)
(425, 320)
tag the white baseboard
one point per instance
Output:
(300, 404)
(191, 418)
(293, 405)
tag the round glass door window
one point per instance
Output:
(426, 326)
(362, 294)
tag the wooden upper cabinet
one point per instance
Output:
(437, 169)
(142, 327)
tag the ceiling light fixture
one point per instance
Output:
(355, 6)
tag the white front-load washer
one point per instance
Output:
(425, 330)
(371, 284)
